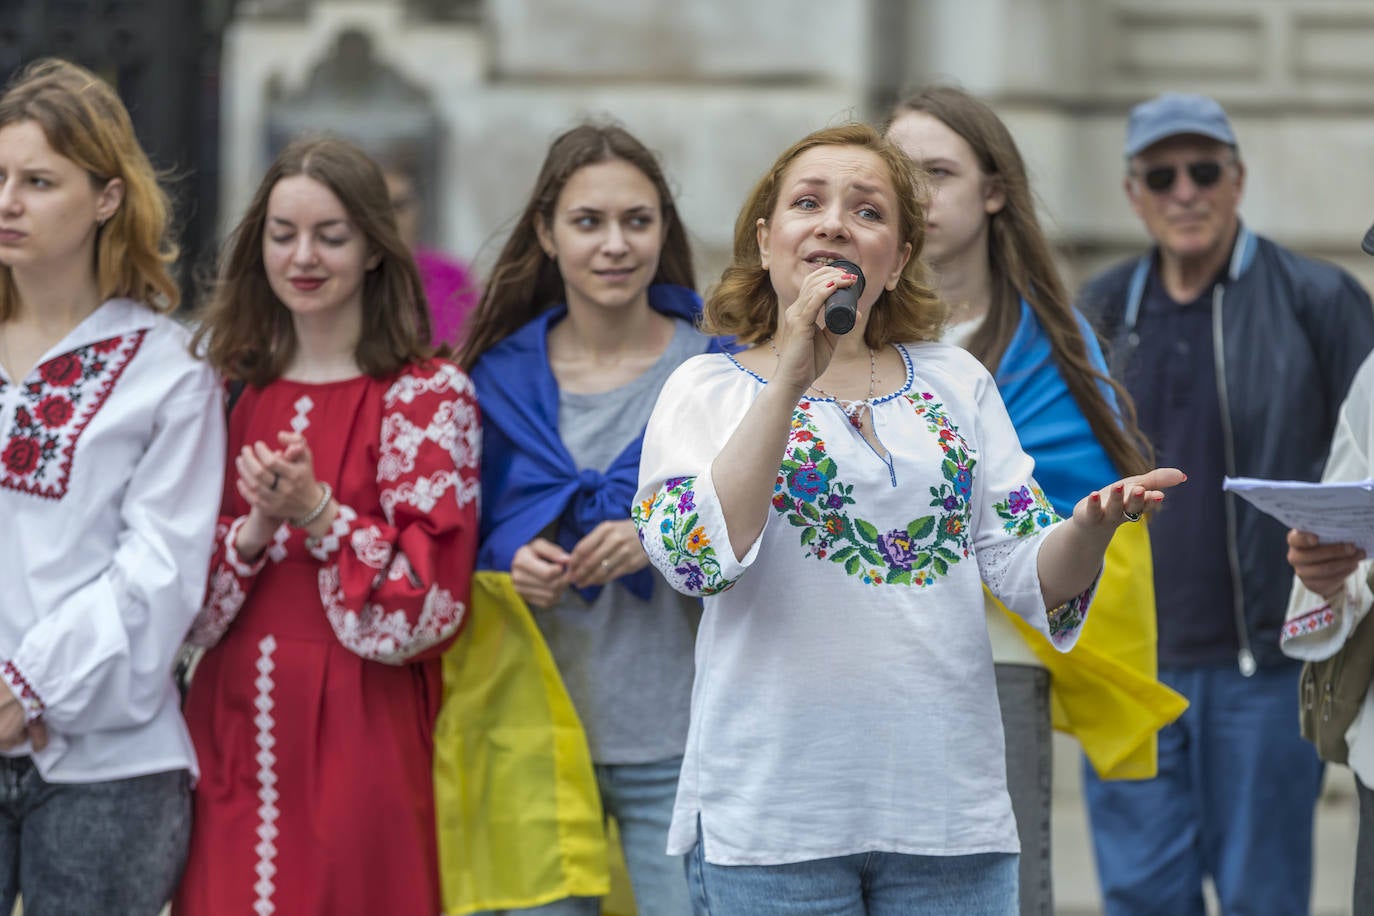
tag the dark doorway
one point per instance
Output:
(163, 57)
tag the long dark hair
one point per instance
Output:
(1022, 267)
(246, 333)
(525, 280)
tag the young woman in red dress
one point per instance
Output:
(342, 563)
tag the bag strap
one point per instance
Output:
(234, 389)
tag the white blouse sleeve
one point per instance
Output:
(1316, 628)
(676, 511)
(102, 659)
(1011, 518)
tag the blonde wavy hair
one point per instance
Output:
(84, 121)
(744, 303)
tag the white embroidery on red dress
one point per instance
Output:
(276, 551)
(56, 406)
(223, 600)
(228, 536)
(323, 547)
(301, 421)
(389, 638)
(268, 812)
(422, 492)
(446, 377)
(371, 547)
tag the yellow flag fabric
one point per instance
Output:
(519, 816)
(1105, 691)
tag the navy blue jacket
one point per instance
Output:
(1288, 335)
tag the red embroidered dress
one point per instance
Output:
(312, 714)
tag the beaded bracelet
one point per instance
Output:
(305, 520)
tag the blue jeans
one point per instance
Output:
(640, 797)
(1233, 799)
(864, 884)
(114, 847)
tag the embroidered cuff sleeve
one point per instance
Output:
(683, 532)
(323, 548)
(22, 690)
(1317, 628)
(395, 587)
(1066, 621)
(231, 552)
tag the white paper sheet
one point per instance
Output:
(1335, 512)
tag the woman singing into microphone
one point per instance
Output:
(839, 501)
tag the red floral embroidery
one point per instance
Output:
(56, 407)
(62, 371)
(54, 411)
(21, 455)
(19, 685)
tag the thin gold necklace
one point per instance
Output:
(853, 410)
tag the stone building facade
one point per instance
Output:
(719, 87)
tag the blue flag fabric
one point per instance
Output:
(529, 480)
(1069, 461)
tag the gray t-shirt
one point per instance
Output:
(627, 663)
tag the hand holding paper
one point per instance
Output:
(1322, 568)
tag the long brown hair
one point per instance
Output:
(83, 120)
(1022, 267)
(745, 304)
(247, 333)
(525, 281)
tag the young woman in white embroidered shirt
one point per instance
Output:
(342, 561)
(110, 462)
(839, 501)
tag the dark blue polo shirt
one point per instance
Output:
(1172, 377)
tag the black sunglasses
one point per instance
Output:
(1204, 174)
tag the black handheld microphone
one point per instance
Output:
(843, 305)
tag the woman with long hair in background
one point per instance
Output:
(990, 261)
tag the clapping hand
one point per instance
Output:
(278, 485)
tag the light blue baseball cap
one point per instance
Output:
(1175, 113)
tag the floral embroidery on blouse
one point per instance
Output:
(58, 403)
(811, 496)
(682, 536)
(1025, 511)
(1066, 619)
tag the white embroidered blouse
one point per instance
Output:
(111, 463)
(1315, 628)
(844, 698)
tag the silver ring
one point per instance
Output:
(276, 478)
(1131, 516)
(605, 564)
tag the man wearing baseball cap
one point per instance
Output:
(1238, 353)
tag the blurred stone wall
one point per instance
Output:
(719, 87)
